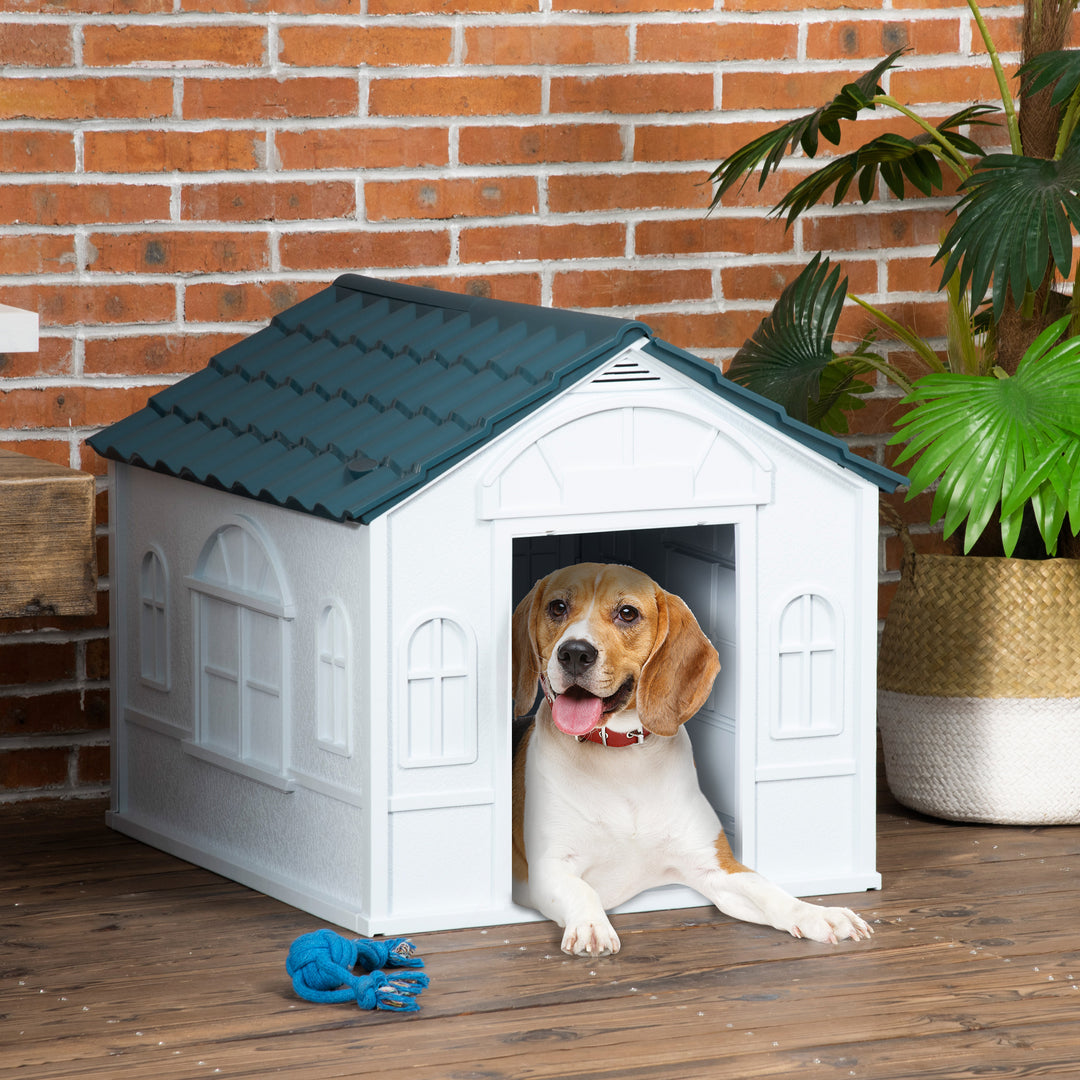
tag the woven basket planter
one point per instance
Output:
(979, 689)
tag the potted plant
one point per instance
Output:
(979, 665)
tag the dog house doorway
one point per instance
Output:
(698, 563)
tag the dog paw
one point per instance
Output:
(830, 925)
(591, 939)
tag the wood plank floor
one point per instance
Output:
(118, 961)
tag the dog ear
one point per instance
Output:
(678, 676)
(526, 663)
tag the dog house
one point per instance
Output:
(316, 546)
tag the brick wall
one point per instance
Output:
(173, 172)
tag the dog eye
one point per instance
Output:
(557, 609)
(627, 614)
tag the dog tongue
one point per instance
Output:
(577, 712)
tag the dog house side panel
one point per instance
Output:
(815, 766)
(449, 731)
(241, 590)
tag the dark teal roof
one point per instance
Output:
(358, 396)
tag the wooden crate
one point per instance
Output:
(48, 561)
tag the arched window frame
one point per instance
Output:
(810, 663)
(334, 664)
(249, 618)
(432, 737)
(154, 658)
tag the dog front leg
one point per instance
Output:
(749, 896)
(567, 899)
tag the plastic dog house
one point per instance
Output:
(316, 546)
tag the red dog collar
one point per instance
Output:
(605, 737)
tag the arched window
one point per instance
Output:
(335, 655)
(440, 695)
(153, 622)
(808, 684)
(239, 651)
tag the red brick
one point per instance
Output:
(37, 151)
(710, 141)
(77, 406)
(84, 305)
(293, 200)
(362, 148)
(705, 330)
(53, 357)
(451, 7)
(1004, 32)
(279, 7)
(134, 43)
(622, 191)
(355, 250)
(629, 94)
(173, 151)
(153, 354)
(437, 95)
(173, 252)
(97, 658)
(38, 662)
(535, 143)
(39, 767)
(291, 98)
(253, 302)
(516, 287)
(765, 283)
(906, 226)
(442, 199)
(36, 45)
(353, 46)
(800, 5)
(92, 764)
(542, 242)
(872, 39)
(623, 7)
(629, 288)
(62, 712)
(958, 84)
(32, 253)
(783, 90)
(535, 45)
(96, 98)
(710, 43)
(746, 236)
(78, 204)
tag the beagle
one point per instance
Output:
(606, 799)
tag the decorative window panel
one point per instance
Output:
(440, 695)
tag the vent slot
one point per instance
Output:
(627, 371)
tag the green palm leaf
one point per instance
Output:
(792, 348)
(769, 150)
(1016, 213)
(1059, 69)
(987, 441)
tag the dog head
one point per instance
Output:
(605, 639)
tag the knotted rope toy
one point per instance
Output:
(321, 965)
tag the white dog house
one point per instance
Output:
(317, 544)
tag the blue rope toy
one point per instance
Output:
(321, 965)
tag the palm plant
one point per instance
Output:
(995, 423)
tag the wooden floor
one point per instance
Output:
(117, 961)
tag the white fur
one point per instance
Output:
(602, 824)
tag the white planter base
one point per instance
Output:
(1012, 761)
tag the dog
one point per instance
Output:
(606, 799)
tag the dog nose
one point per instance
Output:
(576, 656)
